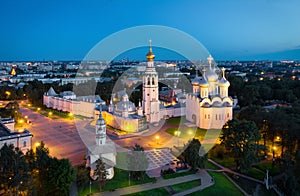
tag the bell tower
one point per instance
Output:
(150, 89)
(100, 129)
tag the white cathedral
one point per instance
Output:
(209, 106)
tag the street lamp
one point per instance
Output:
(37, 144)
(157, 138)
(129, 178)
(7, 93)
(177, 133)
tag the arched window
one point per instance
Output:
(227, 115)
(148, 81)
(208, 116)
(153, 81)
(24, 144)
(205, 116)
(216, 116)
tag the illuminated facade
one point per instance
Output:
(67, 101)
(124, 115)
(209, 106)
(150, 90)
(21, 139)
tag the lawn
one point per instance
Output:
(187, 132)
(186, 185)
(154, 192)
(120, 180)
(54, 113)
(85, 190)
(209, 165)
(175, 175)
(222, 187)
(175, 121)
(263, 166)
(227, 161)
(256, 173)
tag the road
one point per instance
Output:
(59, 135)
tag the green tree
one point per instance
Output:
(60, 175)
(241, 139)
(42, 162)
(137, 162)
(14, 171)
(193, 155)
(101, 173)
(82, 175)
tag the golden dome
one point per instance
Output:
(150, 56)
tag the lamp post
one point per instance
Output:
(157, 138)
(177, 133)
(129, 178)
(90, 186)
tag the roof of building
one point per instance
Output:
(51, 92)
(6, 134)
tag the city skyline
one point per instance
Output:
(231, 30)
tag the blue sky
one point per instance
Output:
(229, 29)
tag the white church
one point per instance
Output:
(209, 106)
(101, 148)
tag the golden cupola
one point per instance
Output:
(150, 56)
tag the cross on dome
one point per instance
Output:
(210, 59)
(223, 72)
(150, 56)
(150, 45)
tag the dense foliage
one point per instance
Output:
(193, 154)
(34, 173)
(137, 162)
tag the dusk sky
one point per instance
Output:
(229, 29)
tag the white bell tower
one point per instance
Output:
(150, 89)
(100, 129)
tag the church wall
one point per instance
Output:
(76, 107)
(193, 110)
(214, 117)
(118, 122)
(172, 112)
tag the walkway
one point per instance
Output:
(224, 169)
(201, 174)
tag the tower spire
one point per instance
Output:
(150, 45)
(223, 72)
(210, 59)
(100, 110)
(150, 56)
(204, 70)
